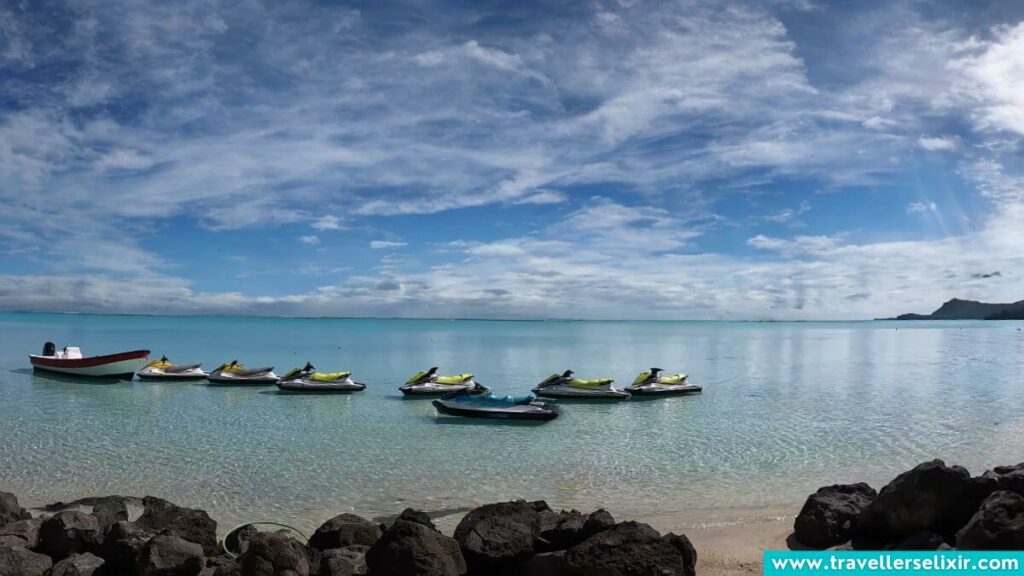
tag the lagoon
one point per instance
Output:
(786, 408)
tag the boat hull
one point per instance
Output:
(121, 365)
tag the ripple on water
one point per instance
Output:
(786, 408)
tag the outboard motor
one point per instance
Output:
(49, 349)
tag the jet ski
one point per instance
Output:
(464, 403)
(430, 384)
(162, 369)
(566, 385)
(307, 379)
(234, 374)
(653, 383)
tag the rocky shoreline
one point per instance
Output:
(150, 536)
(930, 507)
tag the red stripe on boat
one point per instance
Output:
(90, 361)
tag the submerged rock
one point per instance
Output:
(190, 524)
(498, 535)
(10, 510)
(77, 565)
(345, 530)
(169, 555)
(411, 549)
(23, 562)
(632, 549)
(69, 532)
(274, 554)
(931, 496)
(997, 525)
(21, 534)
(827, 516)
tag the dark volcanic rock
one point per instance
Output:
(23, 562)
(828, 515)
(411, 549)
(69, 532)
(631, 549)
(22, 534)
(77, 565)
(110, 512)
(221, 566)
(10, 510)
(349, 561)
(563, 530)
(417, 516)
(931, 496)
(1004, 478)
(923, 540)
(274, 554)
(169, 555)
(189, 523)
(543, 564)
(682, 543)
(997, 525)
(238, 539)
(345, 530)
(498, 535)
(122, 547)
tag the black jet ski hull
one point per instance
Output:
(675, 390)
(426, 392)
(304, 387)
(572, 395)
(548, 412)
(171, 377)
(221, 381)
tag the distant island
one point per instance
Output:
(957, 309)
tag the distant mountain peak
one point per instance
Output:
(959, 309)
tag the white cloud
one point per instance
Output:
(922, 207)
(385, 244)
(312, 240)
(996, 77)
(327, 222)
(933, 143)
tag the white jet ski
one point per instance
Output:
(430, 384)
(653, 383)
(567, 386)
(307, 379)
(234, 374)
(162, 369)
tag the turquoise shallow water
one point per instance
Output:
(787, 407)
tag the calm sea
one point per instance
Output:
(786, 408)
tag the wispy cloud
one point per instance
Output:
(596, 147)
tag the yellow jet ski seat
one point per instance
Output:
(453, 379)
(672, 379)
(329, 376)
(596, 383)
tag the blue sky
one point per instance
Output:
(601, 159)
